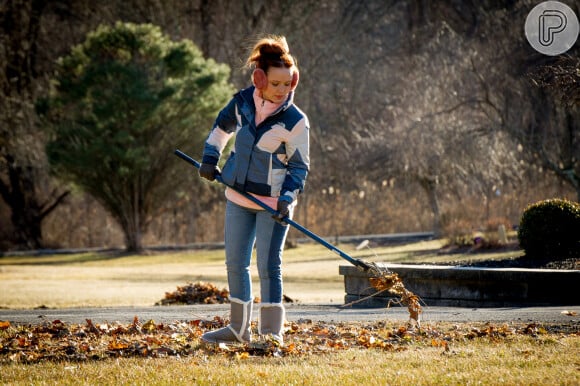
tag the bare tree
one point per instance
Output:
(24, 181)
(554, 131)
(447, 127)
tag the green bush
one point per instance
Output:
(550, 230)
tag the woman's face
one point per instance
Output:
(279, 84)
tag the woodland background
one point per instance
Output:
(425, 115)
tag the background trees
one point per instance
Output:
(121, 100)
(26, 190)
(424, 114)
(553, 131)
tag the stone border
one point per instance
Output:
(455, 286)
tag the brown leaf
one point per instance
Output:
(116, 345)
(149, 326)
(392, 283)
(242, 355)
(91, 327)
(196, 293)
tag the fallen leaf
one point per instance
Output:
(196, 293)
(60, 341)
(242, 355)
(149, 326)
(569, 313)
(116, 345)
(392, 283)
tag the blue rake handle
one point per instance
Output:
(359, 263)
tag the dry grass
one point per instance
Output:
(521, 361)
(311, 275)
(99, 280)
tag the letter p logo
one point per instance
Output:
(551, 22)
(552, 28)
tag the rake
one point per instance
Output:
(380, 277)
(371, 268)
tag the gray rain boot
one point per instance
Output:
(239, 328)
(271, 321)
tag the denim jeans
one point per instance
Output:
(245, 227)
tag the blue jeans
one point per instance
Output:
(245, 227)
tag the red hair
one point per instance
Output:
(271, 51)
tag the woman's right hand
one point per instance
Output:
(208, 171)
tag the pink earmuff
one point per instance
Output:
(261, 79)
(295, 78)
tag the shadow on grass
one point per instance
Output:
(62, 258)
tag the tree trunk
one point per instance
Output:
(27, 210)
(130, 219)
(429, 184)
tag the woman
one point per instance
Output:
(270, 161)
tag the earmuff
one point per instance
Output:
(261, 79)
(295, 78)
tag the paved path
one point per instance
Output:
(294, 312)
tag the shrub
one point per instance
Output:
(550, 230)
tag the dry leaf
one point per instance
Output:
(392, 283)
(242, 355)
(116, 345)
(569, 313)
(196, 293)
(149, 326)
(59, 341)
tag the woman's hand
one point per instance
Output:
(283, 208)
(209, 171)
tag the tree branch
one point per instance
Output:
(47, 209)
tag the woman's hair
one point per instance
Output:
(271, 51)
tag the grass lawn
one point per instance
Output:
(460, 358)
(310, 274)
(357, 354)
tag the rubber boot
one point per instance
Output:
(271, 321)
(239, 328)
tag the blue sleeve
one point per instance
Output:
(299, 160)
(226, 121)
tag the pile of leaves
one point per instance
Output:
(196, 293)
(59, 341)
